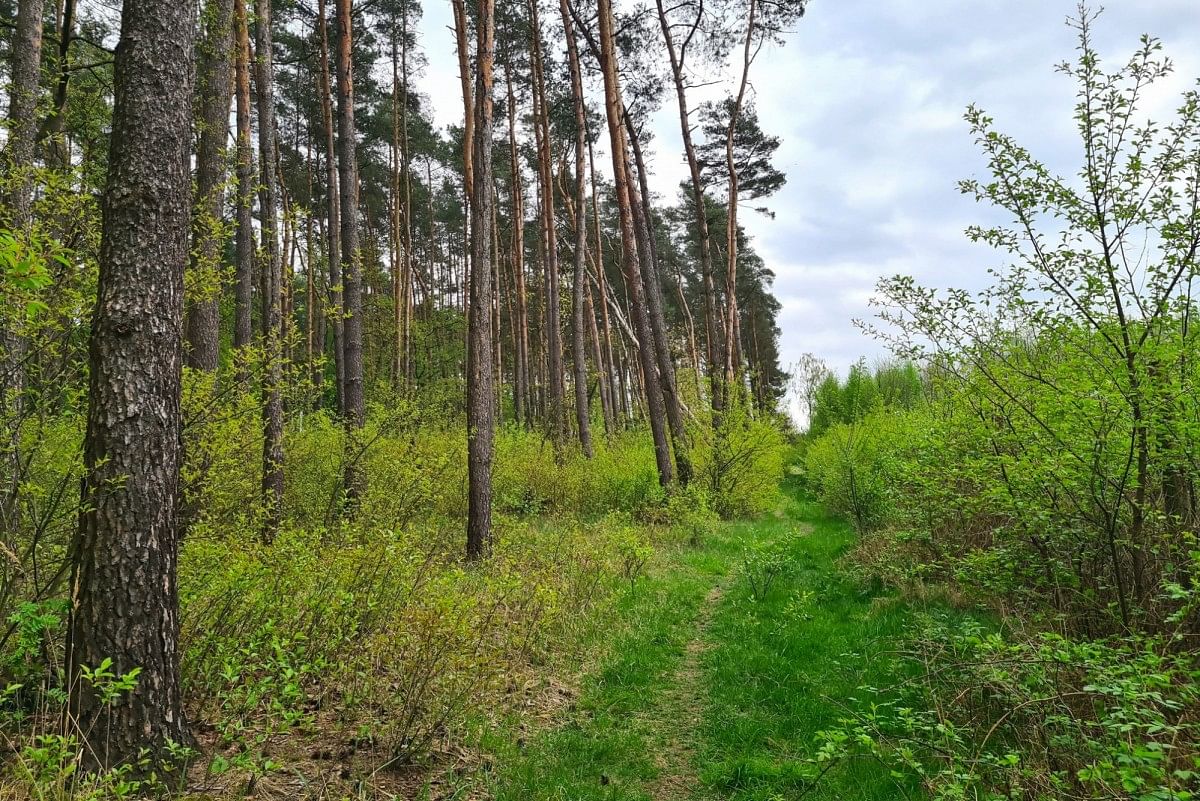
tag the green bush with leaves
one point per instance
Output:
(856, 469)
(740, 461)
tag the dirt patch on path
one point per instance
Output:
(678, 714)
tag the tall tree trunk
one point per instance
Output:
(522, 404)
(244, 270)
(633, 274)
(579, 278)
(408, 266)
(22, 115)
(480, 402)
(654, 307)
(553, 332)
(213, 88)
(351, 253)
(714, 347)
(125, 605)
(271, 275)
(22, 110)
(615, 391)
(14, 346)
(606, 400)
(334, 209)
(394, 238)
(733, 357)
(464, 76)
(311, 298)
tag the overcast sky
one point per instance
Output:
(868, 97)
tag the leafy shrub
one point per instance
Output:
(384, 631)
(765, 563)
(741, 462)
(854, 468)
(1039, 717)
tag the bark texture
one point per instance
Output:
(579, 279)
(614, 112)
(22, 117)
(124, 596)
(244, 202)
(351, 255)
(271, 283)
(334, 212)
(481, 420)
(714, 347)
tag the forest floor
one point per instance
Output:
(703, 691)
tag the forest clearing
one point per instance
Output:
(599, 399)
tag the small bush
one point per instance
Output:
(855, 468)
(741, 462)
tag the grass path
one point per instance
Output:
(676, 716)
(706, 692)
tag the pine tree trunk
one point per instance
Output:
(394, 238)
(351, 253)
(334, 209)
(480, 401)
(522, 405)
(58, 154)
(614, 391)
(406, 169)
(14, 346)
(733, 357)
(714, 347)
(632, 267)
(213, 76)
(125, 604)
(654, 307)
(549, 238)
(582, 416)
(244, 270)
(271, 275)
(22, 110)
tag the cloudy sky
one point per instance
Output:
(868, 98)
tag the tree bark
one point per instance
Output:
(654, 307)
(522, 404)
(351, 253)
(213, 88)
(58, 155)
(615, 391)
(22, 116)
(733, 357)
(271, 282)
(464, 75)
(244, 270)
(579, 278)
(125, 605)
(553, 332)
(714, 347)
(633, 275)
(480, 402)
(334, 210)
(22, 110)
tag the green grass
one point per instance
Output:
(784, 667)
(772, 673)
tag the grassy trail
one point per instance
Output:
(707, 692)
